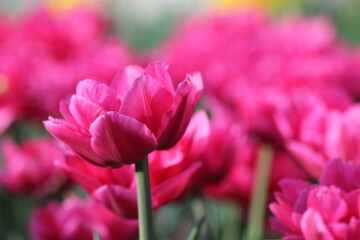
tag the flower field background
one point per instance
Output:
(245, 113)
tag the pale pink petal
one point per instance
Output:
(99, 93)
(124, 79)
(333, 144)
(120, 200)
(120, 139)
(159, 71)
(147, 101)
(313, 226)
(329, 202)
(65, 112)
(339, 230)
(84, 111)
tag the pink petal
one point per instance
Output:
(354, 228)
(284, 217)
(121, 201)
(65, 112)
(310, 159)
(120, 139)
(73, 136)
(341, 174)
(353, 203)
(159, 71)
(147, 101)
(125, 78)
(89, 183)
(313, 226)
(329, 202)
(176, 120)
(84, 111)
(99, 93)
(173, 188)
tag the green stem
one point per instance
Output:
(144, 200)
(255, 228)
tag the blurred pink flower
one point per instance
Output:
(323, 134)
(245, 55)
(76, 219)
(29, 167)
(47, 54)
(326, 211)
(141, 112)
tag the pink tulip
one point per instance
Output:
(75, 219)
(326, 211)
(173, 172)
(141, 112)
(246, 54)
(29, 168)
(44, 55)
(324, 134)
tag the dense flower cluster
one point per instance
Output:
(329, 210)
(235, 83)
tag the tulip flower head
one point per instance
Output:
(120, 124)
(329, 210)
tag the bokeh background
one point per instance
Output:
(141, 26)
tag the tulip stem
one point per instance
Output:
(256, 216)
(146, 231)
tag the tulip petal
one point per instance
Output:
(313, 226)
(65, 112)
(176, 120)
(121, 139)
(159, 71)
(174, 187)
(125, 78)
(147, 101)
(87, 182)
(84, 111)
(120, 200)
(341, 174)
(75, 137)
(310, 159)
(99, 93)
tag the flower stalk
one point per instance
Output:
(255, 228)
(146, 231)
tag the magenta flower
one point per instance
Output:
(29, 167)
(324, 134)
(75, 219)
(141, 112)
(173, 172)
(326, 211)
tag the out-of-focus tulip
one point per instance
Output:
(141, 112)
(29, 167)
(79, 219)
(324, 134)
(44, 55)
(329, 210)
(245, 55)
